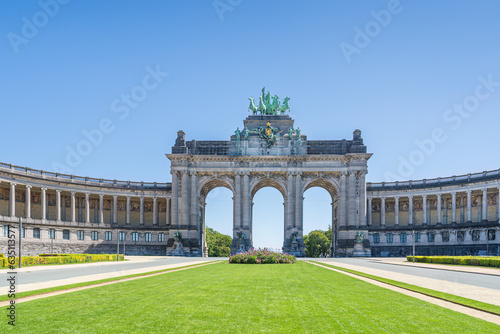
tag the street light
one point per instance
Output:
(413, 234)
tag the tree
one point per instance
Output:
(219, 245)
(328, 234)
(316, 243)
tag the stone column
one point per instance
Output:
(351, 218)
(127, 212)
(362, 198)
(410, 210)
(424, 210)
(167, 211)
(101, 208)
(396, 210)
(382, 211)
(498, 205)
(438, 208)
(73, 207)
(485, 205)
(370, 220)
(195, 204)
(469, 207)
(453, 207)
(43, 203)
(343, 199)
(115, 209)
(28, 201)
(12, 200)
(141, 210)
(299, 201)
(175, 199)
(155, 210)
(185, 199)
(58, 205)
(237, 202)
(246, 200)
(290, 203)
(87, 208)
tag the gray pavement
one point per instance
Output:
(475, 279)
(37, 277)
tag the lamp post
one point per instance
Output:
(117, 245)
(413, 234)
(20, 239)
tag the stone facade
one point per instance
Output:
(72, 214)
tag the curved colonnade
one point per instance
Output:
(70, 214)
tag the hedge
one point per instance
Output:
(60, 258)
(493, 261)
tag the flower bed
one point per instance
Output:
(493, 261)
(261, 257)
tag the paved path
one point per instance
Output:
(477, 285)
(40, 277)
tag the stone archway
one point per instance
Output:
(252, 159)
(330, 185)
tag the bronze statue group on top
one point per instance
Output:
(268, 107)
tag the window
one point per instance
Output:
(135, 236)
(95, 235)
(446, 236)
(148, 236)
(80, 235)
(430, 236)
(460, 236)
(376, 238)
(121, 236)
(402, 238)
(24, 232)
(5, 230)
(108, 236)
(66, 234)
(417, 237)
(36, 233)
(52, 233)
(491, 235)
(476, 235)
(161, 237)
(389, 238)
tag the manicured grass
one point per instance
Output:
(77, 285)
(429, 292)
(229, 298)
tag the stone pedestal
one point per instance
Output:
(358, 250)
(178, 249)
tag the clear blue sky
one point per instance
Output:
(397, 79)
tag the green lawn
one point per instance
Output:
(231, 298)
(429, 292)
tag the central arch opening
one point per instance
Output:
(318, 221)
(268, 219)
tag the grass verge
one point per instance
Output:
(77, 285)
(231, 298)
(490, 308)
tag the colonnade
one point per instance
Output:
(84, 205)
(464, 196)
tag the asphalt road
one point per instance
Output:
(75, 270)
(479, 280)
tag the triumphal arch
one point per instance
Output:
(269, 151)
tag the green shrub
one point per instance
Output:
(60, 259)
(459, 260)
(262, 257)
